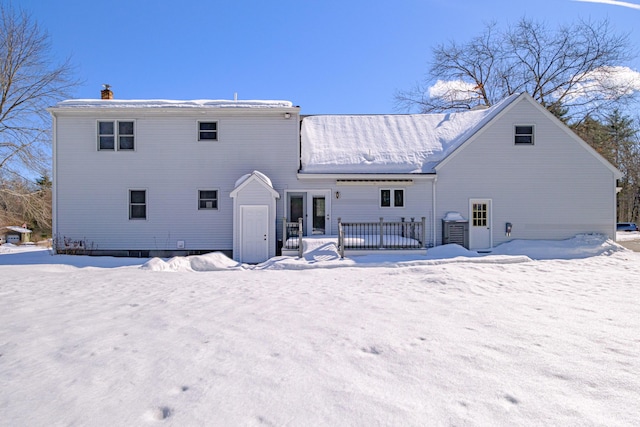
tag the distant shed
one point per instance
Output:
(14, 234)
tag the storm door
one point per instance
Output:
(319, 215)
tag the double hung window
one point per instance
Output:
(116, 135)
(137, 204)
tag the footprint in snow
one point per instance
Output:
(158, 414)
(371, 350)
(511, 399)
(177, 390)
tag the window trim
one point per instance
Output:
(392, 197)
(145, 204)
(100, 135)
(132, 135)
(200, 131)
(217, 199)
(531, 135)
(117, 146)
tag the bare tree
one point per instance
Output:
(577, 69)
(22, 201)
(461, 76)
(30, 81)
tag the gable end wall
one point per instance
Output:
(553, 189)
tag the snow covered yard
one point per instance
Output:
(450, 338)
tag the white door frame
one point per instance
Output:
(308, 203)
(477, 237)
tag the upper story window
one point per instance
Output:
(524, 134)
(125, 135)
(208, 199)
(106, 136)
(392, 198)
(116, 135)
(207, 131)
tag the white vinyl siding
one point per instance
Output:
(554, 190)
(92, 189)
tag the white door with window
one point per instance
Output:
(314, 208)
(480, 224)
(255, 233)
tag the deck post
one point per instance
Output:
(381, 232)
(284, 232)
(340, 238)
(300, 248)
(424, 232)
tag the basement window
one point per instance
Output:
(111, 131)
(208, 199)
(207, 131)
(523, 135)
(392, 198)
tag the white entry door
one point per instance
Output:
(254, 234)
(480, 224)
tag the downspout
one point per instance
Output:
(54, 186)
(433, 203)
(616, 190)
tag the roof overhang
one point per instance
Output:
(368, 179)
(146, 111)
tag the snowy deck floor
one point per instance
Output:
(326, 247)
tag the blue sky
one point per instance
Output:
(328, 56)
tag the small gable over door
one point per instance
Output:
(254, 218)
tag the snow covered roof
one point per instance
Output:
(407, 143)
(16, 229)
(163, 103)
(258, 174)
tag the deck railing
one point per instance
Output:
(363, 235)
(292, 235)
(381, 235)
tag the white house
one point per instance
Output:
(156, 177)
(164, 177)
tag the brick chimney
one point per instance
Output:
(106, 92)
